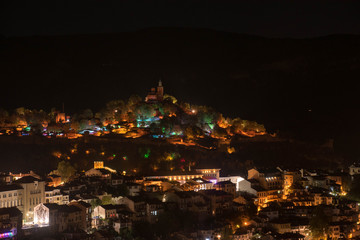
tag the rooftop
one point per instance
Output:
(27, 179)
(5, 188)
(12, 211)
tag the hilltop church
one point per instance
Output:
(155, 94)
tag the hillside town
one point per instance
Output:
(104, 203)
(158, 115)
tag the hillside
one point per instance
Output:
(272, 81)
(148, 156)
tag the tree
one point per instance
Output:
(170, 98)
(65, 170)
(319, 223)
(354, 193)
(133, 100)
(75, 125)
(126, 234)
(219, 132)
(95, 202)
(86, 114)
(106, 200)
(145, 110)
(192, 132)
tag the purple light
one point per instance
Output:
(6, 235)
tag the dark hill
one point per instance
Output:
(272, 81)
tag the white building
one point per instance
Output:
(33, 194)
(241, 184)
(11, 196)
(54, 195)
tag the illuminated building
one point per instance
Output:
(289, 178)
(241, 183)
(17, 176)
(281, 225)
(116, 180)
(155, 95)
(354, 169)
(60, 118)
(180, 177)
(134, 188)
(58, 217)
(85, 213)
(322, 198)
(100, 172)
(197, 184)
(98, 164)
(242, 234)
(137, 205)
(11, 196)
(53, 180)
(54, 195)
(6, 178)
(261, 196)
(186, 200)
(334, 231)
(268, 179)
(33, 194)
(226, 186)
(220, 201)
(211, 174)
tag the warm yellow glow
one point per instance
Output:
(111, 170)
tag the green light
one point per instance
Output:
(114, 155)
(147, 154)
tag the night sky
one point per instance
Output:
(237, 56)
(265, 18)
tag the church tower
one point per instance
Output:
(160, 91)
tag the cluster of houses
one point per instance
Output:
(284, 202)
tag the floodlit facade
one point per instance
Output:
(155, 94)
(212, 174)
(33, 194)
(182, 178)
(41, 215)
(54, 195)
(11, 196)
